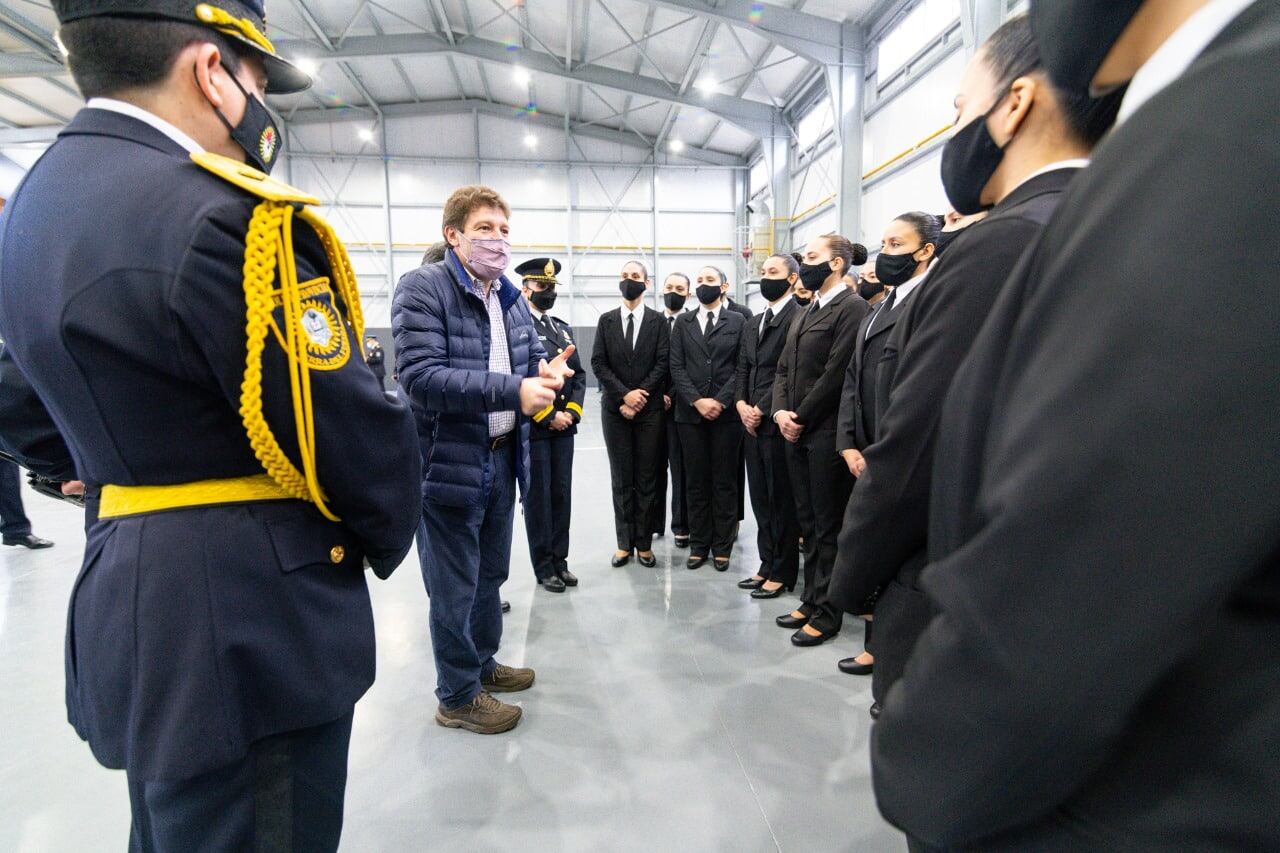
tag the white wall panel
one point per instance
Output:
(605, 186)
(695, 190)
(696, 229)
(432, 136)
(427, 183)
(526, 185)
(916, 188)
(824, 223)
(914, 114)
(504, 137)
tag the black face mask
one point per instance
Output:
(256, 133)
(944, 240)
(773, 289)
(631, 289)
(868, 289)
(813, 276)
(708, 293)
(1075, 36)
(674, 301)
(543, 299)
(894, 270)
(969, 159)
(802, 301)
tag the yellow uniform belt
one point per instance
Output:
(118, 501)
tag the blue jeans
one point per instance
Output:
(466, 556)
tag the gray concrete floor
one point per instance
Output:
(669, 714)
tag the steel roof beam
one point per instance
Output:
(437, 108)
(751, 116)
(812, 36)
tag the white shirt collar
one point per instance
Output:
(636, 312)
(1175, 56)
(822, 299)
(904, 290)
(1076, 163)
(112, 105)
(703, 311)
(537, 315)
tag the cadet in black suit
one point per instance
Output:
(806, 397)
(704, 364)
(905, 254)
(777, 532)
(742, 463)
(675, 296)
(1103, 539)
(630, 359)
(220, 632)
(883, 541)
(547, 507)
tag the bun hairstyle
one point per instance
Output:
(853, 254)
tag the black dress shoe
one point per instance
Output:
(552, 584)
(786, 620)
(875, 710)
(506, 607)
(695, 561)
(648, 562)
(850, 666)
(35, 543)
(800, 638)
(771, 593)
(750, 583)
(619, 562)
(722, 564)
(569, 578)
(682, 541)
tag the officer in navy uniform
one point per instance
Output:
(546, 508)
(192, 332)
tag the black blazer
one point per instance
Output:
(1103, 535)
(817, 351)
(758, 360)
(887, 521)
(620, 369)
(704, 365)
(738, 308)
(856, 423)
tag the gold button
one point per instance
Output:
(337, 554)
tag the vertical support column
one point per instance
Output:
(846, 82)
(741, 194)
(568, 220)
(777, 155)
(386, 209)
(475, 127)
(653, 228)
(979, 19)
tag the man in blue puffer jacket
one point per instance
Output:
(471, 400)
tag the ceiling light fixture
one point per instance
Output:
(676, 145)
(707, 86)
(308, 66)
(521, 76)
(530, 140)
(366, 135)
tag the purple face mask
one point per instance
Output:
(489, 257)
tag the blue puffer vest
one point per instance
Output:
(441, 331)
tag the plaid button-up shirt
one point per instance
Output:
(500, 423)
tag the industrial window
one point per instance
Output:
(814, 124)
(905, 39)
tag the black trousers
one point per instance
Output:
(772, 501)
(822, 483)
(547, 506)
(674, 462)
(13, 517)
(635, 454)
(286, 795)
(712, 450)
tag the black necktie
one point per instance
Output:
(768, 318)
(711, 321)
(631, 331)
(882, 314)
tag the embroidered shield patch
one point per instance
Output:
(326, 341)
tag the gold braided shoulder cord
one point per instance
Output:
(268, 247)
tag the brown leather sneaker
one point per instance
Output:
(508, 679)
(484, 715)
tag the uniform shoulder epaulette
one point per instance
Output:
(250, 179)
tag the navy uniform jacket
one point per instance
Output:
(556, 335)
(193, 632)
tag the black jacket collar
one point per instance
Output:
(95, 122)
